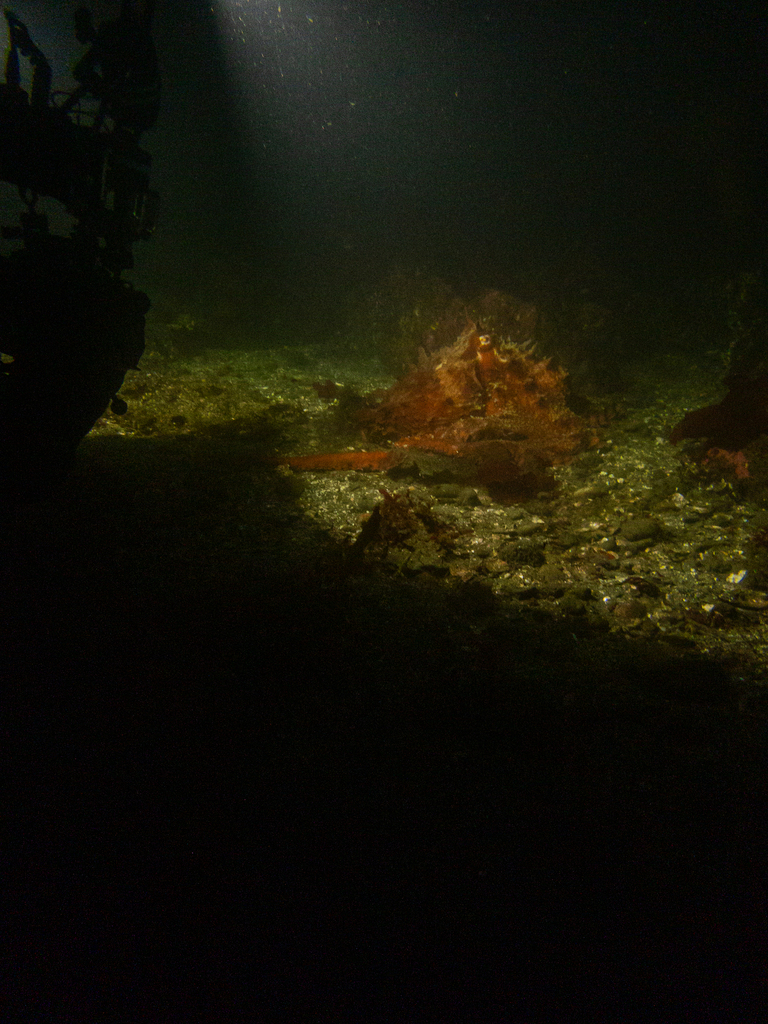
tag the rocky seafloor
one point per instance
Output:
(637, 536)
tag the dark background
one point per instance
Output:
(313, 149)
(307, 149)
(329, 142)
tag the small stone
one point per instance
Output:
(447, 492)
(591, 491)
(643, 528)
(630, 611)
(567, 540)
(528, 529)
(524, 552)
(468, 498)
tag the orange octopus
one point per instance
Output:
(495, 414)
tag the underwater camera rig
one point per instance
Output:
(70, 326)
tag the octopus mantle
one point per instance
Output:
(478, 411)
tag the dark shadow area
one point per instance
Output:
(249, 780)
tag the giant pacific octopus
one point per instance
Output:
(479, 411)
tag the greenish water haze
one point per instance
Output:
(305, 151)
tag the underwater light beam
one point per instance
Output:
(348, 113)
(341, 84)
(284, 45)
